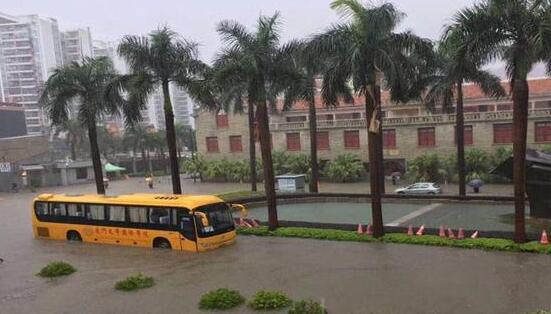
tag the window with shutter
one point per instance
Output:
(467, 135)
(352, 139)
(222, 121)
(426, 137)
(293, 141)
(389, 138)
(212, 144)
(323, 140)
(503, 133)
(543, 132)
(236, 145)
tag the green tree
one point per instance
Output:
(74, 135)
(453, 67)
(518, 33)
(134, 137)
(261, 63)
(160, 59)
(90, 82)
(362, 51)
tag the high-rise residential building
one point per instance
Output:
(181, 106)
(30, 47)
(76, 44)
(109, 49)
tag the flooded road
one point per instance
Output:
(347, 277)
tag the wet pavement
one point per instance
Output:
(346, 277)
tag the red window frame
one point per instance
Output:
(389, 138)
(293, 141)
(426, 137)
(222, 121)
(467, 135)
(503, 133)
(322, 140)
(542, 132)
(352, 139)
(212, 144)
(236, 145)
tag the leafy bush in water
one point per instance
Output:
(269, 300)
(194, 165)
(135, 282)
(477, 164)
(345, 168)
(221, 299)
(307, 307)
(56, 269)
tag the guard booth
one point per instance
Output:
(291, 182)
(538, 181)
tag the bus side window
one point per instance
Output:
(116, 213)
(58, 209)
(159, 216)
(95, 212)
(41, 209)
(75, 210)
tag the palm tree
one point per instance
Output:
(302, 86)
(160, 59)
(234, 81)
(260, 63)
(74, 136)
(518, 33)
(453, 66)
(90, 82)
(363, 51)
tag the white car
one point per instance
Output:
(420, 188)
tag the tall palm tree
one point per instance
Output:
(261, 62)
(135, 136)
(234, 81)
(364, 50)
(302, 86)
(453, 67)
(518, 33)
(90, 83)
(160, 59)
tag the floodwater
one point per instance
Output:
(346, 277)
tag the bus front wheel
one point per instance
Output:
(73, 236)
(161, 243)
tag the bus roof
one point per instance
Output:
(146, 199)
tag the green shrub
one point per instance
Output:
(269, 300)
(341, 235)
(135, 282)
(221, 299)
(427, 167)
(345, 168)
(539, 312)
(56, 269)
(307, 307)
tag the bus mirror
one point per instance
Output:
(243, 211)
(204, 219)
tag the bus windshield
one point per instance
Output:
(219, 218)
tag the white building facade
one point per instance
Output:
(30, 48)
(181, 105)
(76, 44)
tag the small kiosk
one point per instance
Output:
(291, 182)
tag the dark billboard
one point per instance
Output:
(12, 123)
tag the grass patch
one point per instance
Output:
(340, 235)
(307, 307)
(135, 282)
(230, 196)
(56, 269)
(221, 299)
(269, 300)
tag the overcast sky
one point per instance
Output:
(196, 19)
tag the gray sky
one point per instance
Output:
(196, 20)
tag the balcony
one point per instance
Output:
(403, 121)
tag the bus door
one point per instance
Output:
(188, 237)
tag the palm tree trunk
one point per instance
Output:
(267, 164)
(380, 152)
(73, 148)
(374, 176)
(134, 168)
(252, 143)
(171, 141)
(313, 145)
(520, 125)
(460, 138)
(96, 158)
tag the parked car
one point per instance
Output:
(420, 188)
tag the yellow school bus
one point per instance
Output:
(182, 222)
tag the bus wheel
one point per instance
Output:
(161, 243)
(73, 236)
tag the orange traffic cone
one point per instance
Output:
(544, 239)
(410, 230)
(360, 229)
(369, 229)
(460, 234)
(451, 235)
(254, 223)
(441, 232)
(421, 230)
(474, 235)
